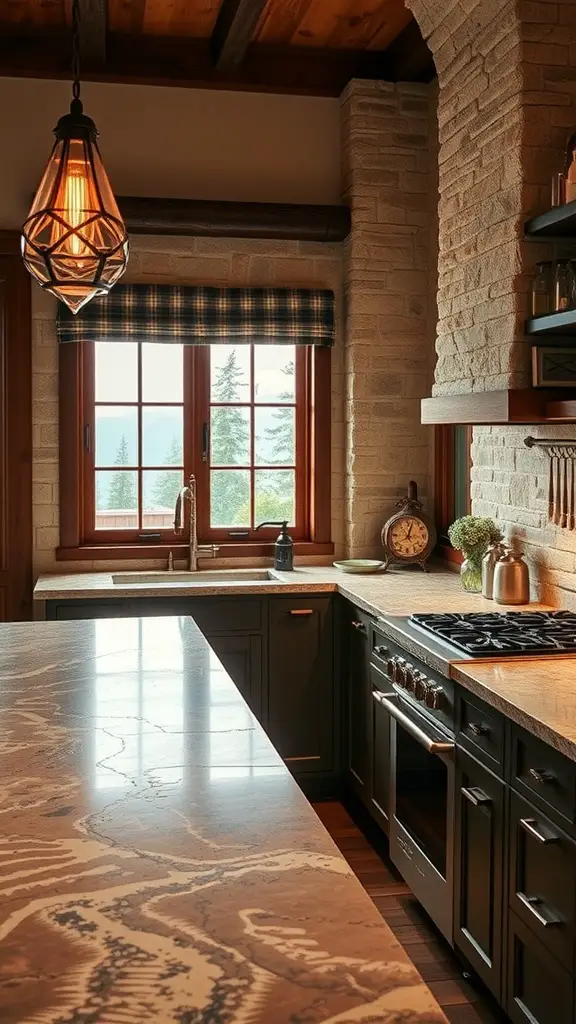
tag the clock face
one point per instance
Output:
(408, 537)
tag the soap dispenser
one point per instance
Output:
(284, 547)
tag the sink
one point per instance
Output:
(193, 579)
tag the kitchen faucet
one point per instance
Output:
(194, 548)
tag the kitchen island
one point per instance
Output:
(158, 861)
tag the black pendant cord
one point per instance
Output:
(76, 53)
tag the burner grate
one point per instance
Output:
(503, 633)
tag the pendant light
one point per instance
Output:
(74, 241)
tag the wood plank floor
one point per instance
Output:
(462, 1002)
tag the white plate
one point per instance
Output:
(358, 565)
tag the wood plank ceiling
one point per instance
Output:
(300, 46)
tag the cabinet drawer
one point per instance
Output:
(481, 730)
(221, 615)
(541, 772)
(543, 878)
(539, 990)
(380, 648)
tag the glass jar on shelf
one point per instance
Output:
(564, 295)
(540, 303)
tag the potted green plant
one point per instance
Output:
(472, 535)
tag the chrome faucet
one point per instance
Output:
(196, 550)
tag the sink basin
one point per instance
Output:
(192, 579)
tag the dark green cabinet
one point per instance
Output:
(539, 990)
(478, 868)
(358, 701)
(242, 658)
(300, 709)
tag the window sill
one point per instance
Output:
(140, 552)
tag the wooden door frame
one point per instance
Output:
(16, 431)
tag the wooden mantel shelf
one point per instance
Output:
(527, 405)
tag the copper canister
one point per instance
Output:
(511, 579)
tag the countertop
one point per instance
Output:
(538, 694)
(158, 861)
(397, 592)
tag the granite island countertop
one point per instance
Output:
(159, 863)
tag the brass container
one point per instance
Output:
(494, 554)
(511, 579)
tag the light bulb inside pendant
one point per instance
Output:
(74, 241)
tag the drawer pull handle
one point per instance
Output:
(540, 777)
(475, 796)
(301, 611)
(531, 903)
(381, 650)
(358, 625)
(530, 826)
(477, 729)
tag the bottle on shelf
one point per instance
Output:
(564, 296)
(570, 183)
(540, 303)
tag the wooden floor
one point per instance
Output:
(462, 1002)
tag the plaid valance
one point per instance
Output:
(203, 316)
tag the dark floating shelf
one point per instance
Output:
(559, 223)
(553, 323)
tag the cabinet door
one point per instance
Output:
(539, 990)
(358, 701)
(380, 747)
(479, 853)
(242, 659)
(543, 878)
(300, 711)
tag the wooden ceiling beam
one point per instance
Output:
(233, 32)
(93, 25)
(155, 60)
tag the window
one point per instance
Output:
(452, 465)
(251, 422)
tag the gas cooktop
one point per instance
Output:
(481, 634)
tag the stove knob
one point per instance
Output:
(410, 674)
(418, 684)
(399, 671)
(434, 695)
(391, 667)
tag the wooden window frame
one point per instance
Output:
(75, 397)
(444, 479)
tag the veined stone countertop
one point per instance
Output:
(538, 694)
(397, 592)
(159, 863)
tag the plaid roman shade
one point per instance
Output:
(193, 315)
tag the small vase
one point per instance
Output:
(471, 574)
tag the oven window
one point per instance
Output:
(421, 797)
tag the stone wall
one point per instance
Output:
(507, 101)
(387, 144)
(223, 261)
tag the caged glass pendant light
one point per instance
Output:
(74, 241)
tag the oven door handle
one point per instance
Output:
(418, 734)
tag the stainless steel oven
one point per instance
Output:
(421, 796)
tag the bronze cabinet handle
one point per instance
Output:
(301, 611)
(358, 625)
(381, 650)
(475, 796)
(478, 729)
(531, 903)
(530, 826)
(540, 776)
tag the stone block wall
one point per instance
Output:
(507, 102)
(217, 261)
(387, 144)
